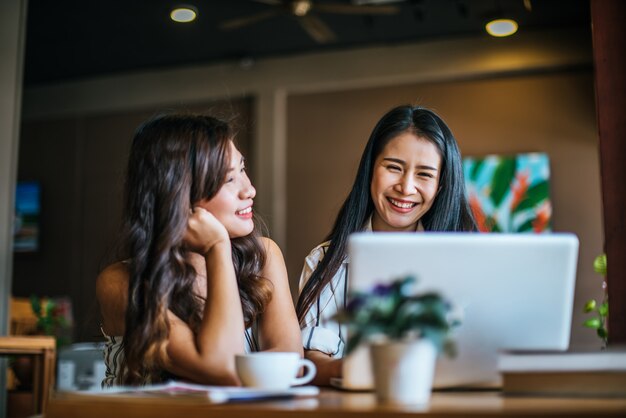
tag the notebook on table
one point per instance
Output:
(513, 292)
(210, 394)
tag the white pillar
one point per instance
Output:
(12, 34)
(270, 148)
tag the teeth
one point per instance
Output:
(401, 204)
(245, 211)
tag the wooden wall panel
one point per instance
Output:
(609, 44)
(47, 154)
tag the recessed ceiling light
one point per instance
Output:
(501, 27)
(184, 14)
(301, 7)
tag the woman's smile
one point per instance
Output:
(401, 205)
(245, 213)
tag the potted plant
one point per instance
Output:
(601, 310)
(53, 318)
(405, 331)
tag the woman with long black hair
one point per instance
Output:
(410, 179)
(197, 283)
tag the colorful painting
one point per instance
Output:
(509, 193)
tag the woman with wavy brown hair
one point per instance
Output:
(198, 283)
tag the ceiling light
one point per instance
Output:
(501, 27)
(301, 7)
(184, 14)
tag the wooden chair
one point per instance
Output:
(22, 319)
(43, 352)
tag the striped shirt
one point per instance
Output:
(320, 332)
(114, 356)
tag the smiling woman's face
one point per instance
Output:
(232, 205)
(405, 182)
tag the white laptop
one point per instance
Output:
(514, 291)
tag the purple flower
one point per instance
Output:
(355, 304)
(382, 289)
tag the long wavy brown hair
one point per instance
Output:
(175, 161)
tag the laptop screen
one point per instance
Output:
(511, 291)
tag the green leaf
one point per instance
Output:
(589, 306)
(36, 305)
(602, 333)
(599, 264)
(604, 309)
(50, 305)
(594, 323)
(502, 179)
(535, 194)
(478, 164)
(526, 226)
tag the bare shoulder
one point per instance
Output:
(274, 269)
(274, 256)
(112, 282)
(271, 248)
(112, 295)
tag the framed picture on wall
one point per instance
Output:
(510, 193)
(27, 213)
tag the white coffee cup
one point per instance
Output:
(273, 370)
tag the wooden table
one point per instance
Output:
(43, 352)
(332, 404)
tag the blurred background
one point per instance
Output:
(304, 82)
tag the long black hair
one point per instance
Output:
(450, 210)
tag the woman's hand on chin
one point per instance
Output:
(204, 231)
